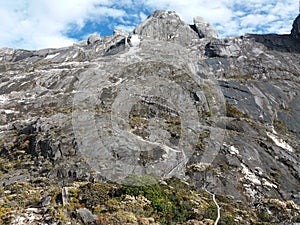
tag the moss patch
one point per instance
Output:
(280, 127)
(233, 111)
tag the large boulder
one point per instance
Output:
(204, 29)
(93, 38)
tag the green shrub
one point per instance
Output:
(169, 205)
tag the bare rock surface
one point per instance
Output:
(93, 39)
(296, 28)
(169, 100)
(204, 29)
(167, 26)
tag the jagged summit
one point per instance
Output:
(167, 25)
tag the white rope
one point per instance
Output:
(217, 205)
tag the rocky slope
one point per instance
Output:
(169, 100)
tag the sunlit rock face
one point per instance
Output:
(166, 26)
(203, 28)
(168, 100)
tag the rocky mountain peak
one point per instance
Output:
(129, 114)
(166, 26)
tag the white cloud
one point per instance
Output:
(255, 19)
(142, 16)
(33, 24)
(231, 17)
(128, 28)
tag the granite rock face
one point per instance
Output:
(166, 26)
(204, 29)
(221, 114)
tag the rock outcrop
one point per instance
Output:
(296, 28)
(93, 39)
(204, 29)
(168, 100)
(166, 26)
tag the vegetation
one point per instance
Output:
(168, 205)
(233, 111)
(140, 200)
(167, 202)
(279, 126)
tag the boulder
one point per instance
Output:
(93, 38)
(118, 32)
(204, 29)
(86, 215)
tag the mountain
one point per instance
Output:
(161, 126)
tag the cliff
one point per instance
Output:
(168, 101)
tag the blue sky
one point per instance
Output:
(36, 24)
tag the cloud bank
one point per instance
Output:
(35, 24)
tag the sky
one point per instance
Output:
(36, 24)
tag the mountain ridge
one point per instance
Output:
(168, 100)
